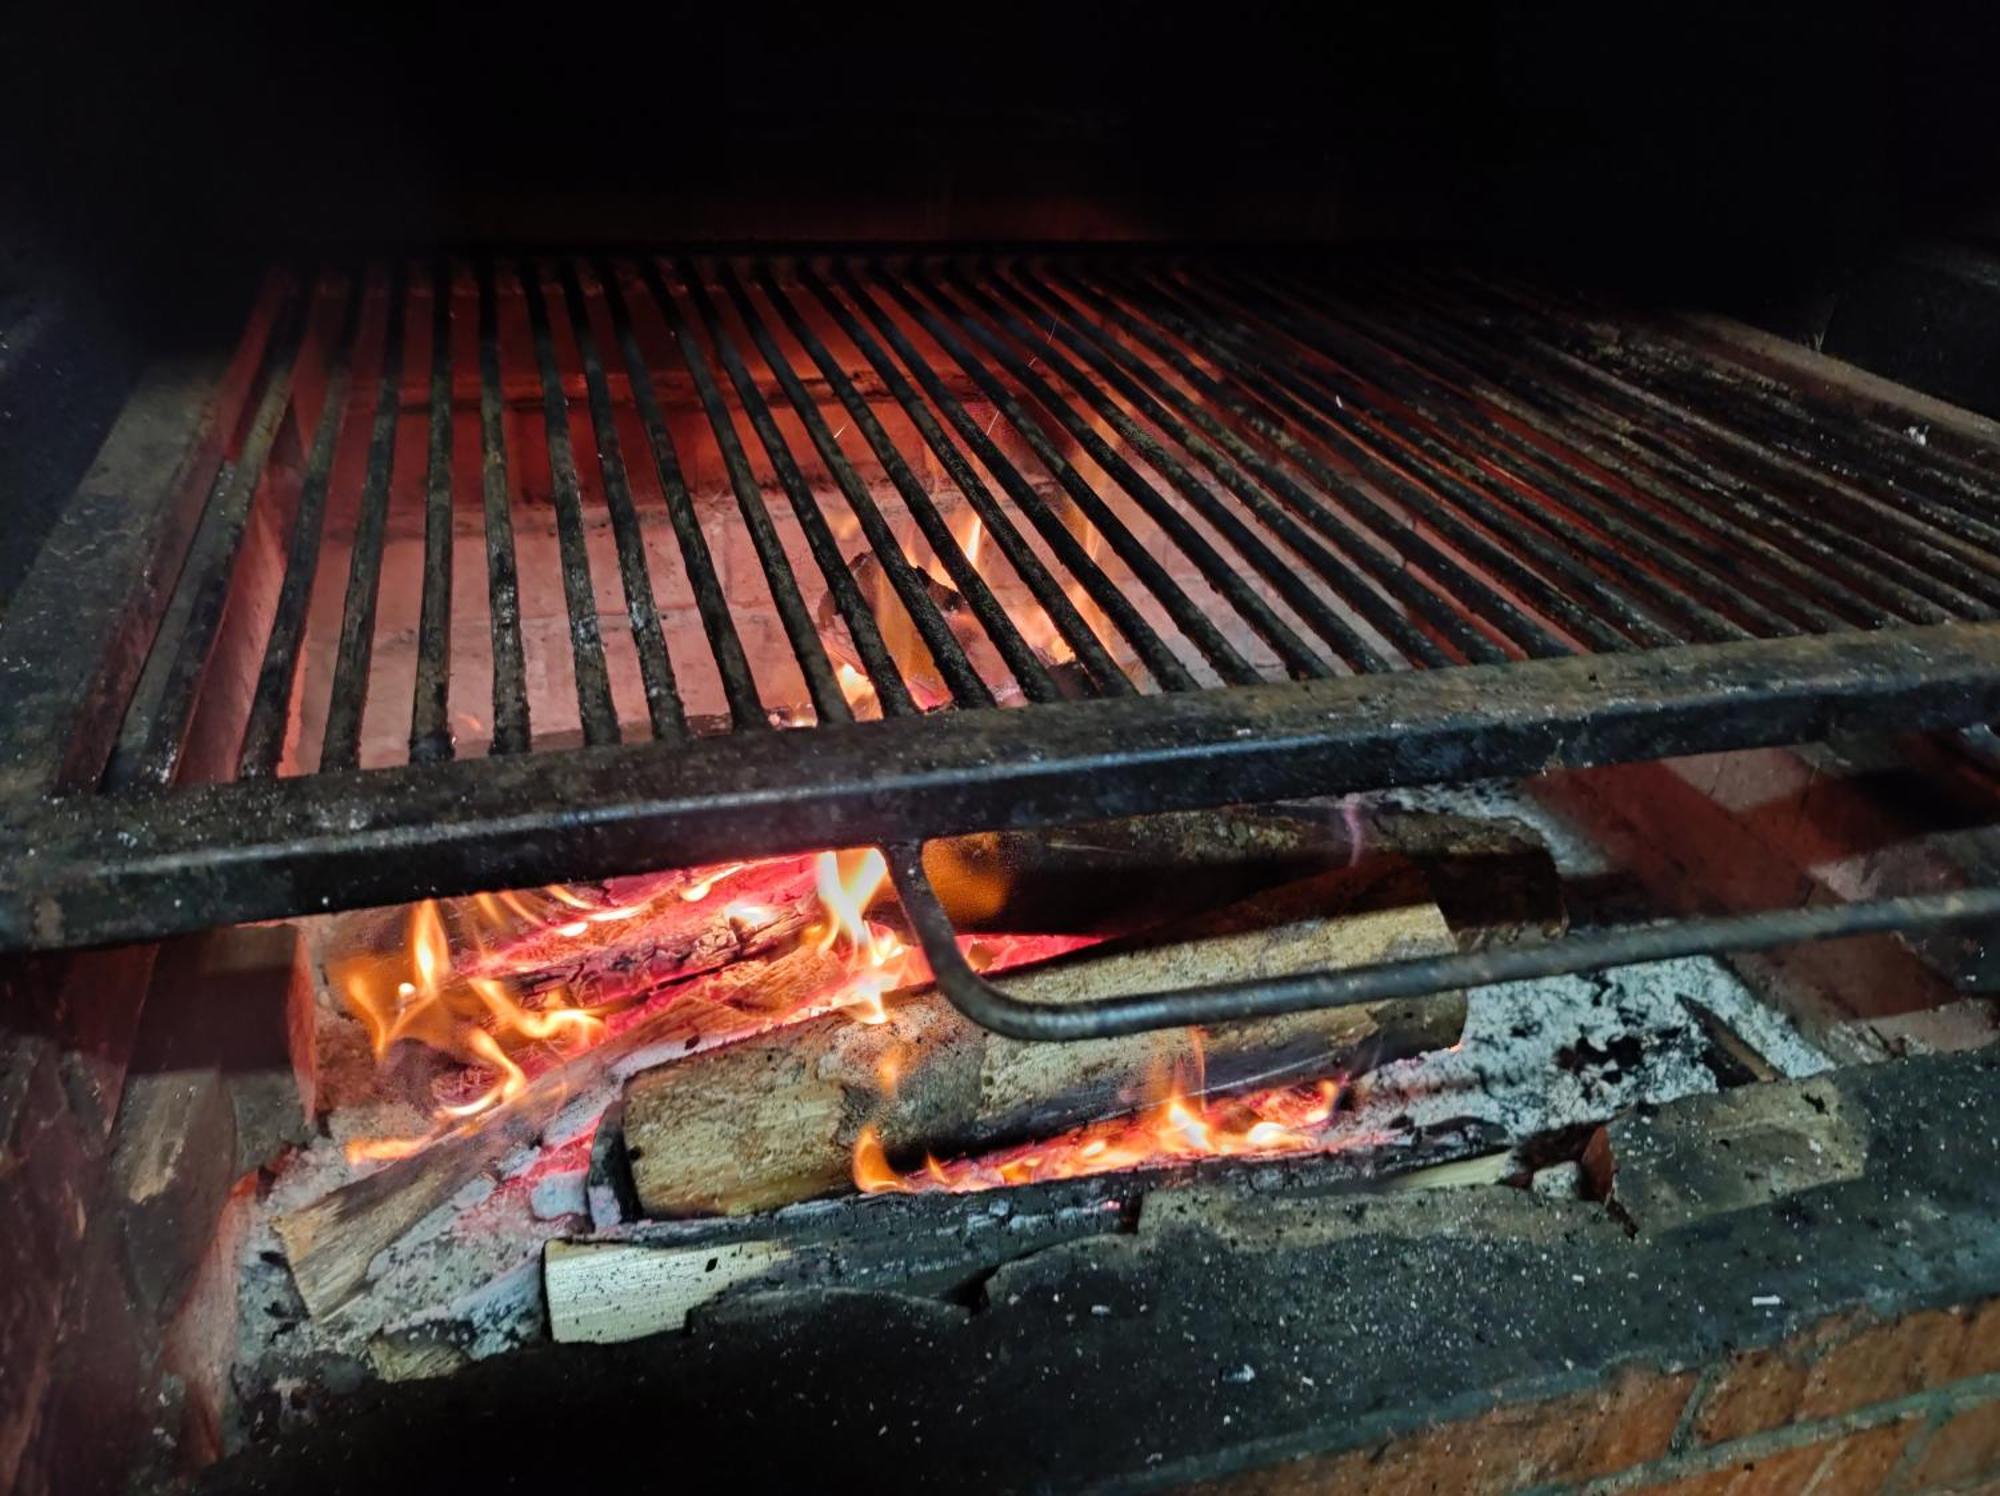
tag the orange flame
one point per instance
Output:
(475, 1019)
(1177, 1129)
(845, 890)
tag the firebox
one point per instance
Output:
(1123, 759)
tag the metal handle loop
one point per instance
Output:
(1222, 1002)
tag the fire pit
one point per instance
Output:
(1030, 801)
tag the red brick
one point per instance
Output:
(1783, 1473)
(1883, 1362)
(1979, 1348)
(1964, 1446)
(1862, 1461)
(1859, 1462)
(1837, 1366)
(1627, 1422)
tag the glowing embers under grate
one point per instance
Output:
(501, 990)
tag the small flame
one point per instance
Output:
(1178, 1128)
(383, 1150)
(871, 1164)
(856, 687)
(880, 957)
(694, 893)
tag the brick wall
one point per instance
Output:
(1850, 1405)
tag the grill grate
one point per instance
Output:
(1423, 524)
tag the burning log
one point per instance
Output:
(331, 1243)
(650, 1277)
(779, 1117)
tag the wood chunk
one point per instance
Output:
(650, 1277)
(331, 1243)
(774, 1119)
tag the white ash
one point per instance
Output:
(1541, 1056)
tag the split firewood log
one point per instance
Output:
(775, 1118)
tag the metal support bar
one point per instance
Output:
(1228, 1002)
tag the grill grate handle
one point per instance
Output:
(1223, 1002)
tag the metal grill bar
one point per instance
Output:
(1883, 575)
(1152, 395)
(342, 746)
(1484, 530)
(1678, 593)
(1689, 554)
(1035, 680)
(1295, 421)
(1356, 651)
(593, 678)
(946, 652)
(510, 672)
(1916, 533)
(827, 700)
(1186, 615)
(738, 686)
(1398, 583)
(264, 734)
(1820, 599)
(1159, 659)
(229, 514)
(430, 734)
(1105, 677)
(663, 703)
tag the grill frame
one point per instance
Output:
(99, 857)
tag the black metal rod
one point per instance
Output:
(1477, 597)
(954, 667)
(1186, 615)
(341, 747)
(656, 673)
(1282, 575)
(1439, 610)
(1033, 677)
(1858, 443)
(230, 504)
(1299, 659)
(430, 725)
(1166, 406)
(270, 703)
(511, 732)
(1688, 551)
(595, 707)
(1545, 406)
(1525, 559)
(1103, 672)
(739, 687)
(1707, 452)
(1152, 650)
(1226, 1002)
(101, 868)
(892, 692)
(1595, 533)
(829, 704)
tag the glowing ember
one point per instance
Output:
(492, 981)
(695, 892)
(1178, 1128)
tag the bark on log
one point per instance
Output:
(774, 1119)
